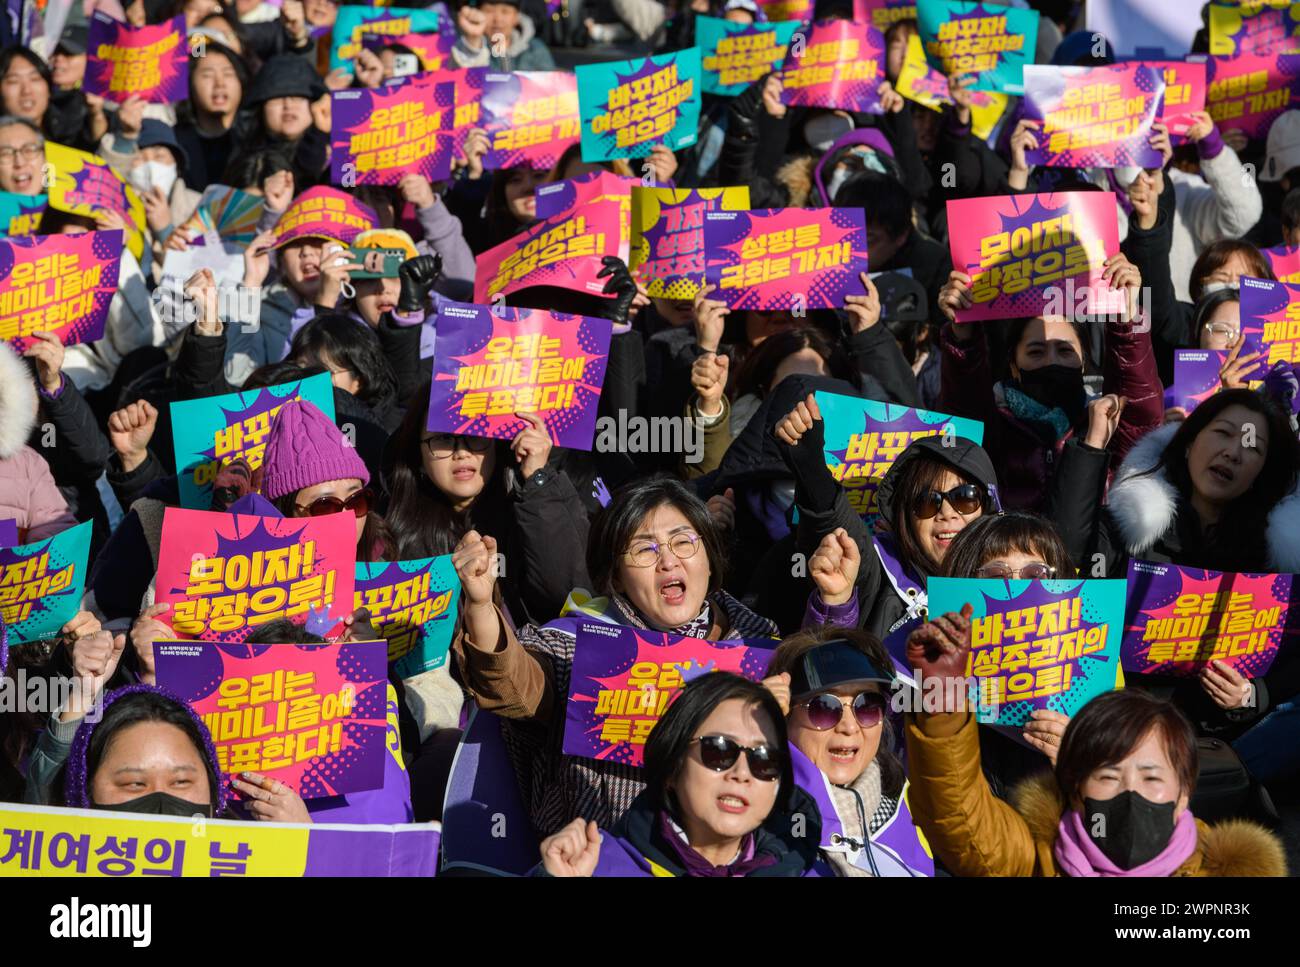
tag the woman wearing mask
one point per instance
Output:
(442, 487)
(835, 687)
(719, 797)
(1029, 416)
(206, 122)
(1116, 805)
(157, 170)
(655, 556)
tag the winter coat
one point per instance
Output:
(1025, 460)
(975, 834)
(28, 493)
(133, 322)
(526, 683)
(525, 53)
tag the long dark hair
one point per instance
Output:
(669, 742)
(421, 513)
(613, 527)
(791, 651)
(760, 366)
(376, 542)
(996, 535)
(353, 345)
(1240, 539)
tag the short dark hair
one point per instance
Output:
(670, 740)
(613, 527)
(996, 535)
(885, 199)
(1216, 255)
(353, 345)
(1111, 726)
(760, 366)
(919, 476)
(790, 652)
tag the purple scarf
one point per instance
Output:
(696, 865)
(1077, 855)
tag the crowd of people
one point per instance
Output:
(1085, 464)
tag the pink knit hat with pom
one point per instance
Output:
(305, 448)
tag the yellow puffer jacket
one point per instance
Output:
(975, 834)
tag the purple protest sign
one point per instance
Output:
(8, 532)
(1196, 376)
(624, 678)
(840, 65)
(530, 118)
(1099, 117)
(1179, 619)
(151, 62)
(380, 135)
(494, 363)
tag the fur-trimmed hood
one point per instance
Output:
(1145, 506)
(17, 402)
(797, 176)
(1234, 847)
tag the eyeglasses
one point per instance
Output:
(1037, 571)
(358, 503)
(1222, 329)
(646, 553)
(29, 152)
(443, 445)
(825, 710)
(965, 499)
(719, 753)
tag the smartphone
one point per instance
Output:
(404, 65)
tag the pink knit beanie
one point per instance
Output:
(305, 448)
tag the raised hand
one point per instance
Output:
(834, 566)
(573, 851)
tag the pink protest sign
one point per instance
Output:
(379, 136)
(779, 258)
(323, 212)
(1094, 117)
(152, 62)
(1184, 94)
(560, 199)
(314, 717)
(563, 252)
(624, 679)
(1250, 91)
(493, 363)
(62, 284)
(841, 66)
(1030, 254)
(1284, 260)
(530, 117)
(225, 574)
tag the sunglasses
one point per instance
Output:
(825, 710)
(358, 503)
(719, 753)
(965, 499)
(1030, 572)
(443, 445)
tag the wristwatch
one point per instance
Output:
(539, 478)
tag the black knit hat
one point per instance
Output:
(286, 75)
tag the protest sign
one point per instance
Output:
(1284, 260)
(592, 194)
(324, 212)
(41, 583)
(1184, 95)
(624, 678)
(629, 106)
(61, 284)
(919, 82)
(782, 258)
(1270, 319)
(531, 118)
(1094, 117)
(735, 54)
(53, 841)
(840, 64)
(493, 363)
(413, 605)
(1037, 644)
(1268, 30)
(226, 574)
(432, 50)
(1249, 92)
(783, 11)
(314, 717)
(863, 438)
(152, 62)
(84, 184)
(352, 23)
(993, 42)
(8, 532)
(211, 432)
(382, 134)
(883, 14)
(563, 252)
(668, 236)
(1031, 254)
(1196, 376)
(21, 214)
(1179, 619)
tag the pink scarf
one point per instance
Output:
(1077, 855)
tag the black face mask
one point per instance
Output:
(1129, 829)
(160, 804)
(1056, 386)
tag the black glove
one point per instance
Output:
(418, 276)
(807, 462)
(621, 285)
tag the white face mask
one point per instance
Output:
(154, 174)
